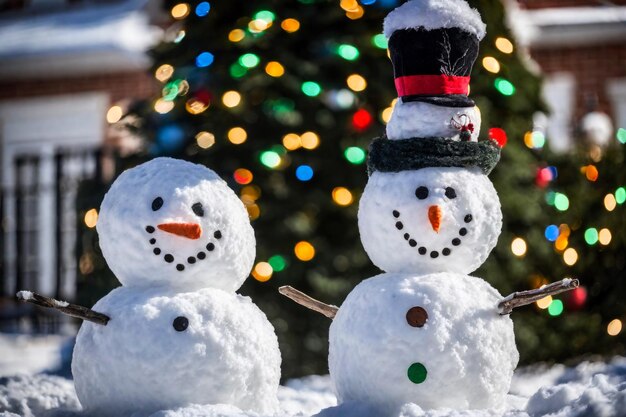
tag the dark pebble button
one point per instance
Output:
(416, 317)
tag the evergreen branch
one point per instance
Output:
(301, 298)
(522, 298)
(73, 310)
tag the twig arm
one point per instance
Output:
(73, 310)
(522, 298)
(311, 303)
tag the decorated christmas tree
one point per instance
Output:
(282, 99)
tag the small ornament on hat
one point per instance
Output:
(463, 124)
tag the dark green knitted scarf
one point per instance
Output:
(387, 155)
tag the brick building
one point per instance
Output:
(64, 64)
(580, 47)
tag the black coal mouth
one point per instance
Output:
(191, 260)
(423, 250)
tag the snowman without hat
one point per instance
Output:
(175, 333)
(424, 331)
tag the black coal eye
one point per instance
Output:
(450, 193)
(421, 192)
(198, 209)
(157, 203)
(180, 324)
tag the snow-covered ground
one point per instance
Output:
(591, 389)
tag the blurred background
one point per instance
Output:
(281, 98)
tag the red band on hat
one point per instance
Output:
(431, 85)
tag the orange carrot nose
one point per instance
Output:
(188, 230)
(434, 215)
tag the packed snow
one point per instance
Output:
(171, 222)
(591, 389)
(164, 348)
(436, 339)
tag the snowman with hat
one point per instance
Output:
(424, 331)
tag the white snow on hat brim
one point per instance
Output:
(435, 14)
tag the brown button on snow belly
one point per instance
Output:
(416, 317)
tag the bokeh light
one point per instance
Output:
(355, 155)
(504, 45)
(380, 41)
(311, 88)
(290, 25)
(180, 11)
(555, 308)
(491, 64)
(304, 173)
(304, 251)
(277, 262)
(604, 237)
(243, 176)
(270, 159)
(504, 86)
(591, 236)
(356, 82)
(164, 72)
(163, 106)
(291, 141)
(620, 195)
(609, 202)
(309, 140)
(561, 202)
(570, 256)
(552, 232)
(614, 328)
(205, 139)
(249, 60)
(231, 98)
(237, 135)
(203, 9)
(91, 218)
(114, 114)
(518, 247)
(348, 52)
(342, 196)
(204, 59)
(262, 271)
(194, 106)
(621, 135)
(236, 35)
(274, 69)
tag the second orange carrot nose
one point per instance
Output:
(188, 230)
(434, 215)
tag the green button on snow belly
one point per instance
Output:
(417, 373)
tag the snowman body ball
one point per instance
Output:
(180, 242)
(425, 332)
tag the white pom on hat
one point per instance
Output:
(435, 14)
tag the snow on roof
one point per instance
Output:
(433, 14)
(123, 29)
(567, 25)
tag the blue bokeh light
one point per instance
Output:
(170, 138)
(552, 232)
(304, 173)
(367, 2)
(203, 9)
(204, 59)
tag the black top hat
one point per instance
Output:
(433, 66)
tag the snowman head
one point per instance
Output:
(171, 222)
(429, 220)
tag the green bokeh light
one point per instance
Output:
(550, 196)
(591, 236)
(311, 88)
(620, 195)
(379, 41)
(277, 262)
(170, 90)
(348, 52)
(354, 155)
(249, 60)
(621, 135)
(538, 139)
(561, 202)
(556, 308)
(237, 71)
(265, 15)
(504, 87)
(270, 159)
